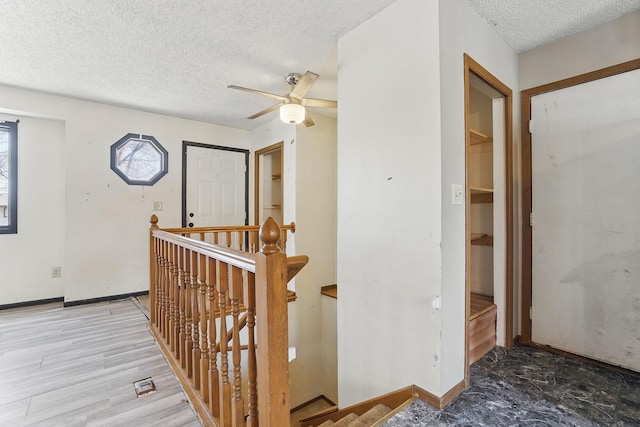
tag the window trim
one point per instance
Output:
(164, 164)
(12, 227)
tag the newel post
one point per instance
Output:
(152, 268)
(272, 329)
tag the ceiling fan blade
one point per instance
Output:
(259, 92)
(304, 84)
(265, 111)
(308, 121)
(312, 102)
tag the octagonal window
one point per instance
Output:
(139, 159)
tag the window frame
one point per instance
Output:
(12, 226)
(164, 161)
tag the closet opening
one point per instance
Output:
(269, 187)
(489, 210)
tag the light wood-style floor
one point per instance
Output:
(76, 366)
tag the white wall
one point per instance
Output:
(27, 257)
(462, 30)
(105, 220)
(309, 200)
(316, 213)
(330, 347)
(611, 43)
(389, 203)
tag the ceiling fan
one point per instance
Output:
(292, 106)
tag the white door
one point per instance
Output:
(586, 219)
(216, 187)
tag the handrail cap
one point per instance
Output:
(269, 235)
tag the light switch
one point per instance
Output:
(157, 206)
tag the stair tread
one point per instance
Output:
(346, 420)
(371, 416)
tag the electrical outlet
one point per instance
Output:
(457, 194)
(56, 272)
(157, 206)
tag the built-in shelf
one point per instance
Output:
(330, 291)
(479, 138)
(481, 195)
(481, 239)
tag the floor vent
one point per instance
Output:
(144, 386)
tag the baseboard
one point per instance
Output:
(392, 400)
(103, 299)
(587, 360)
(30, 303)
(454, 392)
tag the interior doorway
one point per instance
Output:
(269, 187)
(214, 185)
(580, 239)
(489, 211)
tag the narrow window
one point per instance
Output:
(8, 177)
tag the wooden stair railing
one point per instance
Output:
(211, 306)
(241, 237)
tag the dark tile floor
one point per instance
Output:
(530, 387)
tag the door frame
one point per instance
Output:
(471, 66)
(256, 177)
(186, 144)
(526, 190)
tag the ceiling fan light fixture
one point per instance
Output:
(292, 113)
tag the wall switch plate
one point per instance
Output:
(56, 272)
(457, 194)
(157, 206)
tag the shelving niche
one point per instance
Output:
(269, 191)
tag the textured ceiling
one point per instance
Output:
(177, 57)
(525, 24)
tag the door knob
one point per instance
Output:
(190, 214)
(190, 224)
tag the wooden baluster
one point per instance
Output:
(188, 305)
(173, 271)
(177, 294)
(225, 385)
(162, 316)
(153, 267)
(182, 315)
(167, 292)
(283, 241)
(159, 300)
(194, 346)
(163, 320)
(228, 237)
(214, 380)
(239, 242)
(155, 318)
(252, 393)
(215, 237)
(204, 333)
(253, 237)
(271, 312)
(236, 298)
